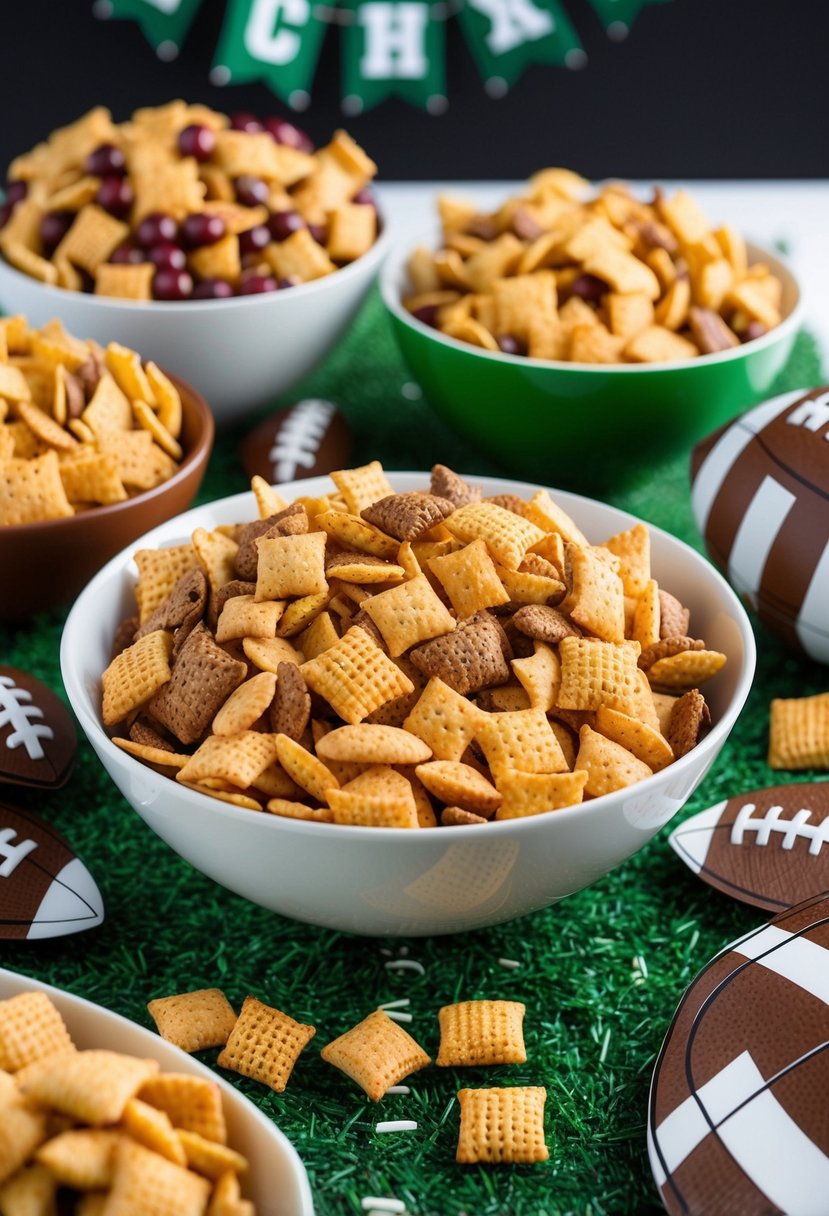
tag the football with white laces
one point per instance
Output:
(309, 439)
(738, 1116)
(760, 494)
(37, 735)
(45, 890)
(769, 847)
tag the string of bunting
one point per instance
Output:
(389, 48)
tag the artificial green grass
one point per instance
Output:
(601, 974)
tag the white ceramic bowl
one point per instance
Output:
(436, 880)
(241, 353)
(276, 1181)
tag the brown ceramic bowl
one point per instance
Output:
(45, 565)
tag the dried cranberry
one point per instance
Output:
(250, 190)
(197, 140)
(5, 213)
(243, 121)
(255, 284)
(167, 256)
(283, 223)
(212, 289)
(54, 227)
(171, 284)
(202, 228)
(254, 240)
(155, 228)
(365, 197)
(127, 254)
(285, 132)
(291, 280)
(754, 329)
(16, 191)
(115, 195)
(428, 314)
(510, 345)
(588, 287)
(319, 232)
(106, 161)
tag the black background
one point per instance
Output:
(699, 89)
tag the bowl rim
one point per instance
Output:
(60, 295)
(81, 1007)
(199, 453)
(390, 282)
(78, 688)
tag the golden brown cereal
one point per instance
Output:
(91, 1086)
(460, 785)
(154, 1129)
(799, 732)
(609, 765)
(372, 744)
(502, 1125)
(379, 797)
(135, 675)
(143, 1181)
(194, 1020)
(536, 793)
(30, 1028)
(444, 720)
(81, 1158)
(192, 1103)
(265, 1044)
(481, 1033)
(376, 1053)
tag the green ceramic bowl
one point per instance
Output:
(580, 424)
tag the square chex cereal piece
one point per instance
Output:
(265, 1044)
(480, 1033)
(508, 536)
(145, 1182)
(499, 1125)
(355, 676)
(30, 1028)
(799, 732)
(409, 614)
(376, 1053)
(91, 1086)
(194, 1020)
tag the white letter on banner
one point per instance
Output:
(263, 42)
(514, 22)
(166, 6)
(394, 41)
(812, 414)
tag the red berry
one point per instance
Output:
(285, 132)
(155, 228)
(254, 240)
(5, 213)
(254, 284)
(127, 254)
(291, 280)
(202, 228)
(16, 191)
(197, 140)
(243, 121)
(212, 289)
(106, 161)
(365, 197)
(54, 227)
(115, 195)
(167, 256)
(318, 232)
(172, 285)
(250, 190)
(283, 223)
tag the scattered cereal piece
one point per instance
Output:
(265, 1044)
(376, 1053)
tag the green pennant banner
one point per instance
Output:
(505, 36)
(393, 48)
(164, 23)
(277, 41)
(620, 14)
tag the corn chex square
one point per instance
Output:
(135, 675)
(469, 578)
(595, 599)
(536, 793)
(90, 1086)
(380, 797)
(30, 1028)
(507, 536)
(481, 1033)
(238, 759)
(609, 765)
(360, 487)
(500, 1125)
(92, 238)
(522, 740)
(291, 566)
(355, 676)
(143, 1181)
(265, 1044)
(194, 1020)
(799, 732)
(376, 1053)
(192, 1103)
(444, 720)
(594, 673)
(158, 572)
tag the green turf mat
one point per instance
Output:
(600, 974)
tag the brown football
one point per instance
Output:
(45, 890)
(37, 735)
(738, 1119)
(768, 847)
(309, 439)
(761, 500)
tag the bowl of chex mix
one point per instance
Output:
(226, 248)
(95, 445)
(409, 704)
(94, 1105)
(575, 332)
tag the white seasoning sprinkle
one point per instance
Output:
(372, 1202)
(385, 950)
(403, 1003)
(510, 963)
(605, 1045)
(397, 1016)
(405, 964)
(398, 1089)
(396, 1125)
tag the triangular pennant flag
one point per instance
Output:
(277, 41)
(393, 48)
(505, 36)
(617, 16)
(164, 23)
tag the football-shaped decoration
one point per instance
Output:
(45, 890)
(738, 1118)
(769, 848)
(309, 439)
(761, 500)
(37, 736)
